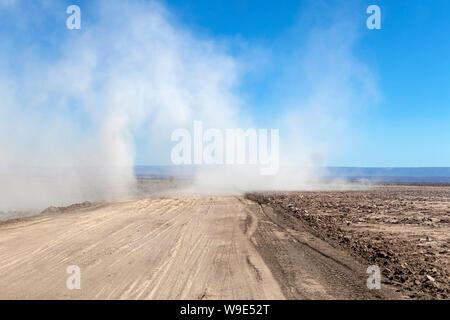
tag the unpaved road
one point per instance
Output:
(183, 248)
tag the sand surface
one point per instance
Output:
(221, 247)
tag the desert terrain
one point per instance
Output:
(403, 229)
(295, 245)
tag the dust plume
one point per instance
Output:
(80, 108)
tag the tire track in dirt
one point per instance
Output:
(307, 267)
(183, 248)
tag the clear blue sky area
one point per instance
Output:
(410, 55)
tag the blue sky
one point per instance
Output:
(410, 55)
(406, 123)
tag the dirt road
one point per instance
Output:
(186, 248)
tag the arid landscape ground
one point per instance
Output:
(271, 245)
(404, 229)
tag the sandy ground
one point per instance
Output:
(221, 247)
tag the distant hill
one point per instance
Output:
(411, 175)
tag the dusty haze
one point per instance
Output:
(135, 73)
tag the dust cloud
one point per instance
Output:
(79, 113)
